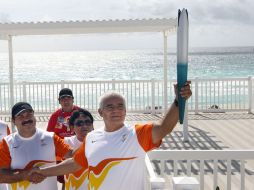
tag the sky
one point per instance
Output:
(213, 23)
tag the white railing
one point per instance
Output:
(146, 96)
(153, 182)
(184, 162)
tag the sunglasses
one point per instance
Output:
(80, 123)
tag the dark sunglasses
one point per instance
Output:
(80, 123)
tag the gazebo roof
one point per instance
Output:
(83, 27)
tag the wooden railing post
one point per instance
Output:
(196, 95)
(113, 84)
(24, 90)
(250, 94)
(62, 84)
(153, 96)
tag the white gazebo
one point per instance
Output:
(10, 30)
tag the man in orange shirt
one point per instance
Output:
(115, 155)
(27, 148)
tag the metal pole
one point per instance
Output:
(185, 124)
(165, 34)
(11, 86)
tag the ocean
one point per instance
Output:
(126, 64)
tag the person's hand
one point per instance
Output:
(34, 175)
(185, 91)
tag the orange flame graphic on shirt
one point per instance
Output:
(98, 173)
(74, 181)
(30, 165)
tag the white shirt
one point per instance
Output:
(116, 159)
(77, 180)
(38, 150)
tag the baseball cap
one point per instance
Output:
(65, 92)
(20, 107)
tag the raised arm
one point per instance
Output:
(167, 124)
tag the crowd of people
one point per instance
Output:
(112, 157)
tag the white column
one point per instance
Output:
(196, 95)
(165, 35)
(250, 93)
(11, 86)
(153, 97)
(185, 124)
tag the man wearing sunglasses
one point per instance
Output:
(115, 154)
(81, 122)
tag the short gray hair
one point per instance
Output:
(110, 94)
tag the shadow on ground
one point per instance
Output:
(198, 140)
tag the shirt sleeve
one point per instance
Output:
(60, 147)
(144, 135)
(79, 156)
(5, 158)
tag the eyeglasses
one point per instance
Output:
(80, 123)
(111, 107)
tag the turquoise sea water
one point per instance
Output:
(126, 64)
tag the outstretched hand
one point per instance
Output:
(185, 91)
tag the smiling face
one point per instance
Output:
(113, 111)
(25, 123)
(82, 125)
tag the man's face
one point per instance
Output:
(25, 123)
(66, 103)
(82, 125)
(113, 111)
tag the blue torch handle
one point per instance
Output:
(181, 80)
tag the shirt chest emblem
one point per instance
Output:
(124, 137)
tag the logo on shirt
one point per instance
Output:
(74, 181)
(99, 173)
(43, 143)
(124, 137)
(63, 122)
